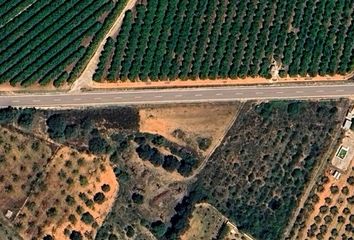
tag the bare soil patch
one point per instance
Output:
(189, 124)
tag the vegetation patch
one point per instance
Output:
(250, 183)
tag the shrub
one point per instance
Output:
(72, 218)
(334, 189)
(83, 180)
(350, 180)
(75, 235)
(105, 188)
(56, 125)
(203, 143)
(26, 118)
(130, 231)
(70, 200)
(7, 115)
(87, 218)
(48, 237)
(138, 198)
(158, 228)
(98, 145)
(51, 212)
(170, 163)
(99, 198)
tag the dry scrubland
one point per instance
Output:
(144, 173)
(66, 197)
(259, 171)
(22, 158)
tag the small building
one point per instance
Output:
(336, 174)
(347, 124)
(9, 214)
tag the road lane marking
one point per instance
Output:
(198, 95)
(77, 99)
(158, 96)
(97, 98)
(299, 91)
(178, 95)
(15, 101)
(218, 94)
(137, 97)
(279, 92)
(320, 91)
(36, 100)
(239, 93)
(340, 90)
(117, 97)
(259, 93)
(57, 100)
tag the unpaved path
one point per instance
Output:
(206, 159)
(85, 80)
(216, 82)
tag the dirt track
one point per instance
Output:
(85, 80)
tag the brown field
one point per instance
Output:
(36, 220)
(21, 159)
(184, 124)
(331, 221)
(205, 223)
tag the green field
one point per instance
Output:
(208, 39)
(45, 41)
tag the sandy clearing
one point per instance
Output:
(203, 120)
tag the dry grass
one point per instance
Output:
(205, 223)
(56, 187)
(190, 121)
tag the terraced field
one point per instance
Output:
(208, 39)
(45, 41)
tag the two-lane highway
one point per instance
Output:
(216, 94)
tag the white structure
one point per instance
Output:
(348, 120)
(347, 124)
(336, 175)
(9, 214)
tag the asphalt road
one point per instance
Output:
(176, 95)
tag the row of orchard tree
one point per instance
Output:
(47, 41)
(218, 38)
